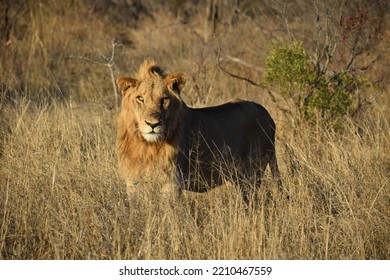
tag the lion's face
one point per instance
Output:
(153, 107)
(153, 103)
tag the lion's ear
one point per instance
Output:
(124, 83)
(175, 82)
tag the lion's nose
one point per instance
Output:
(156, 115)
(152, 125)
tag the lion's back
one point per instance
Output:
(213, 135)
(233, 123)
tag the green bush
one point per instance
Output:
(318, 96)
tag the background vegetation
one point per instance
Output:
(60, 193)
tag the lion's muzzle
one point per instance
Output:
(153, 125)
(152, 129)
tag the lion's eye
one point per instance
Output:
(140, 99)
(165, 102)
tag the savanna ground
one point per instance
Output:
(61, 196)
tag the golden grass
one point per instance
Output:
(61, 196)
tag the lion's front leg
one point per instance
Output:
(158, 183)
(132, 187)
(171, 191)
(173, 185)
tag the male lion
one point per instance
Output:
(162, 140)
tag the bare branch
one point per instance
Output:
(235, 75)
(283, 13)
(364, 68)
(244, 63)
(355, 54)
(87, 59)
(243, 78)
(108, 62)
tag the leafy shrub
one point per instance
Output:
(318, 96)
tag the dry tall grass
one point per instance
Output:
(61, 196)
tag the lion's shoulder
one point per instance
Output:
(229, 111)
